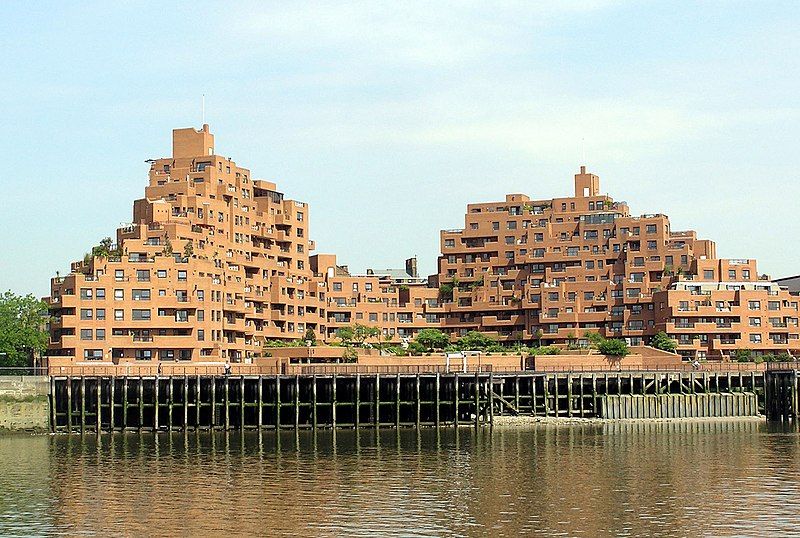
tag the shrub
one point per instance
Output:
(613, 347)
(432, 339)
(663, 342)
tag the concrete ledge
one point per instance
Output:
(24, 403)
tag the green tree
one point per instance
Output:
(594, 338)
(346, 335)
(614, 347)
(663, 342)
(310, 336)
(446, 292)
(743, 355)
(362, 333)
(188, 250)
(22, 329)
(538, 335)
(475, 340)
(432, 339)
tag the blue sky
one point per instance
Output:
(388, 118)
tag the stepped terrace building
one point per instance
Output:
(215, 262)
(551, 270)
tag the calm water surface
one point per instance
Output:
(665, 479)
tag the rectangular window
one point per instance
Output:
(86, 313)
(93, 354)
(143, 275)
(101, 313)
(201, 335)
(755, 322)
(754, 305)
(201, 315)
(732, 274)
(86, 293)
(119, 315)
(119, 275)
(140, 314)
(161, 273)
(708, 274)
(182, 275)
(86, 334)
(140, 295)
(119, 295)
(337, 286)
(144, 354)
(100, 334)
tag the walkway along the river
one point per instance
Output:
(98, 403)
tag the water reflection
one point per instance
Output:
(620, 479)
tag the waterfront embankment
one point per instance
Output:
(24, 403)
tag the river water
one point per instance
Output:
(621, 479)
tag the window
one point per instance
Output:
(755, 322)
(161, 273)
(708, 274)
(119, 295)
(143, 275)
(144, 354)
(509, 240)
(755, 338)
(140, 295)
(337, 286)
(511, 225)
(182, 275)
(754, 305)
(201, 335)
(86, 293)
(745, 274)
(86, 334)
(651, 228)
(93, 354)
(368, 286)
(119, 275)
(119, 315)
(100, 334)
(140, 314)
(355, 286)
(86, 313)
(101, 313)
(100, 293)
(774, 305)
(201, 295)
(495, 226)
(732, 274)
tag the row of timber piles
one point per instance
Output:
(91, 403)
(782, 401)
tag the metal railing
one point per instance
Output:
(702, 367)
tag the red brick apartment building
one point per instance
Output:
(216, 262)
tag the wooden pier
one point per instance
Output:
(151, 403)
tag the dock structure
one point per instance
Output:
(152, 403)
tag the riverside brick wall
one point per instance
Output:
(24, 403)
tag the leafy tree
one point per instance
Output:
(362, 333)
(475, 340)
(188, 250)
(538, 335)
(594, 338)
(346, 335)
(310, 336)
(446, 292)
(432, 339)
(415, 348)
(167, 246)
(22, 329)
(743, 355)
(663, 342)
(613, 347)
